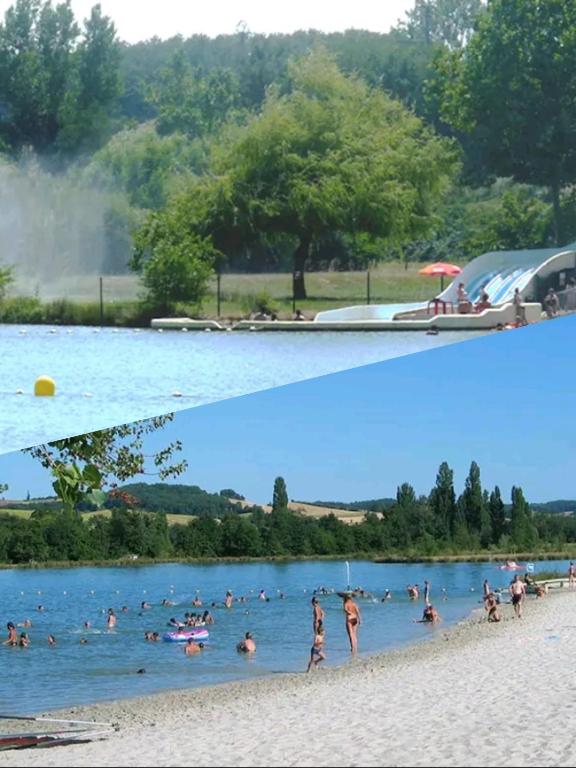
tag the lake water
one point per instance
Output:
(71, 673)
(111, 376)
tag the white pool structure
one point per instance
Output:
(498, 273)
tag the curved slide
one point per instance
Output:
(498, 273)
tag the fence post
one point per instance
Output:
(101, 301)
(218, 280)
(368, 287)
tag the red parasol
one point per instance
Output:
(440, 269)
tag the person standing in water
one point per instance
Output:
(111, 621)
(353, 620)
(571, 575)
(318, 616)
(426, 592)
(12, 634)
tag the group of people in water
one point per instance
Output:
(492, 600)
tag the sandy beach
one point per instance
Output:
(476, 695)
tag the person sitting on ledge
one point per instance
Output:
(483, 302)
(299, 315)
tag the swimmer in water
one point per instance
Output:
(12, 634)
(111, 621)
(144, 605)
(24, 641)
(193, 647)
(229, 599)
(247, 645)
(51, 640)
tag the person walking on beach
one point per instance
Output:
(486, 589)
(518, 592)
(317, 650)
(571, 576)
(353, 620)
(318, 616)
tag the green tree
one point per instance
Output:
(522, 532)
(472, 499)
(280, 495)
(83, 465)
(178, 271)
(445, 22)
(59, 84)
(497, 515)
(443, 502)
(520, 69)
(190, 102)
(330, 156)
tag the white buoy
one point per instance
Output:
(207, 330)
(160, 330)
(184, 330)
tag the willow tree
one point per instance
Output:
(329, 155)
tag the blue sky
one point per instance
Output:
(505, 400)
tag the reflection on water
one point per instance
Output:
(106, 666)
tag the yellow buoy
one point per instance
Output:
(44, 386)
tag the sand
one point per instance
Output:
(477, 695)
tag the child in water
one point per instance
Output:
(317, 651)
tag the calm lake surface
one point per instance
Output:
(41, 677)
(111, 376)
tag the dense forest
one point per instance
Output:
(440, 523)
(286, 152)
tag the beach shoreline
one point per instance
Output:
(448, 701)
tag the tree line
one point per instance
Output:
(439, 523)
(289, 152)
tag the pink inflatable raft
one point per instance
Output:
(184, 635)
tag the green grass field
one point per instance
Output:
(389, 283)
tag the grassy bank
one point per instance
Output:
(75, 301)
(482, 557)
(128, 562)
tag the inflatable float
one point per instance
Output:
(510, 565)
(185, 635)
